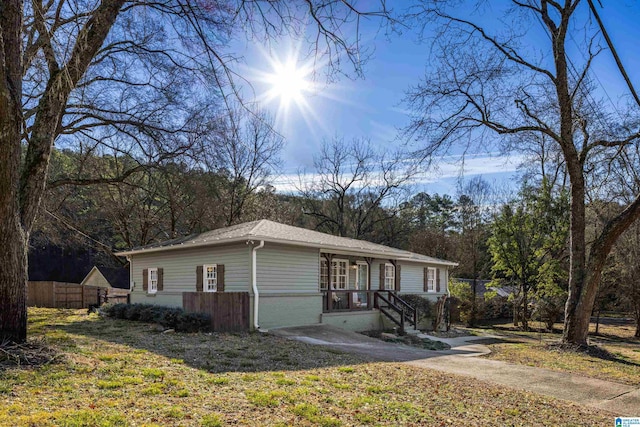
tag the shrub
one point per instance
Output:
(169, 317)
(148, 313)
(115, 310)
(465, 302)
(132, 312)
(192, 322)
(423, 306)
(497, 307)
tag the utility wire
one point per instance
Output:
(614, 52)
(71, 227)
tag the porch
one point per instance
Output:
(386, 301)
(353, 284)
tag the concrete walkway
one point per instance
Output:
(620, 399)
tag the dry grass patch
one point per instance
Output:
(616, 357)
(625, 368)
(119, 373)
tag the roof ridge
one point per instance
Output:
(259, 223)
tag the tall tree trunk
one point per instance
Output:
(525, 303)
(13, 278)
(13, 239)
(21, 188)
(575, 329)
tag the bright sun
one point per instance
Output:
(289, 83)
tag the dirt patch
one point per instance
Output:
(33, 353)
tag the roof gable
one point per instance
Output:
(116, 277)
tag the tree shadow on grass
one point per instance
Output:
(214, 352)
(592, 351)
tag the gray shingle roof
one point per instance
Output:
(271, 231)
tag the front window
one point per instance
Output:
(324, 274)
(153, 280)
(339, 274)
(210, 278)
(389, 277)
(431, 279)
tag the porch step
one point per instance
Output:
(411, 331)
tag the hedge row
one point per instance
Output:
(169, 317)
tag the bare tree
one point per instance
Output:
(473, 220)
(130, 75)
(246, 152)
(498, 84)
(352, 185)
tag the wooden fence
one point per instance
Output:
(63, 295)
(229, 311)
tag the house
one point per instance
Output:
(115, 281)
(293, 276)
(483, 286)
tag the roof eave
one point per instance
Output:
(356, 252)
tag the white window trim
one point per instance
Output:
(391, 278)
(334, 265)
(205, 279)
(359, 263)
(153, 285)
(324, 286)
(431, 282)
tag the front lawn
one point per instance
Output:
(619, 361)
(118, 373)
(622, 367)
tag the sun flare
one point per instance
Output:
(289, 83)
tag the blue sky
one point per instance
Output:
(373, 107)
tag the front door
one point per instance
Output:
(362, 284)
(362, 278)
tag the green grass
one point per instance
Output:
(118, 373)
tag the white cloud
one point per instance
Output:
(448, 167)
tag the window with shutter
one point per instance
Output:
(431, 279)
(389, 277)
(210, 278)
(153, 281)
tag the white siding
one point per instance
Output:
(179, 269)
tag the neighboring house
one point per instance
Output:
(482, 287)
(294, 276)
(115, 281)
